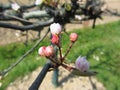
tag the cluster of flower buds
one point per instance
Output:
(81, 65)
(46, 51)
(55, 30)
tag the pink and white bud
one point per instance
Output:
(41, 51)
(55, 39)
(55, 28)
(49, 51)
(73, 37)
(15, 6)
(82, 64)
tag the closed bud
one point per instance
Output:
(49, 51)
(73, 37)
(41, 51)
(82, 64)
(55, 39)
(55, 28)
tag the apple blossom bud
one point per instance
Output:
(82, 64)
(73, 37)
(15, 6)
(41, 51)
(49, 51)
(55, 28)
(55, 39)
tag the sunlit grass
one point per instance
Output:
(9, 54)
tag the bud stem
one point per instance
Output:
(60, 52)
(68, 50)
(69, 68)
(52, 60)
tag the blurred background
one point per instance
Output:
(101, 45)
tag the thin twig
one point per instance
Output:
(52, 60)
(19, 19)
(60, 52)
(113, 12)
(68, 50)
(69, 68)
(23, 56)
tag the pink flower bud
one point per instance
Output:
(41, 51)
(49, 51)
(82, 64)
(55, 28)
(73, 37)
(55, 39)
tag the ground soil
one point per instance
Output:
(67, 81)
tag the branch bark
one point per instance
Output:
(38, 25)
(4, 72)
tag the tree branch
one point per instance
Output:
(35, 14)
(23, 56)
(38, 25)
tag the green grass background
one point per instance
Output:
(101, 46)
